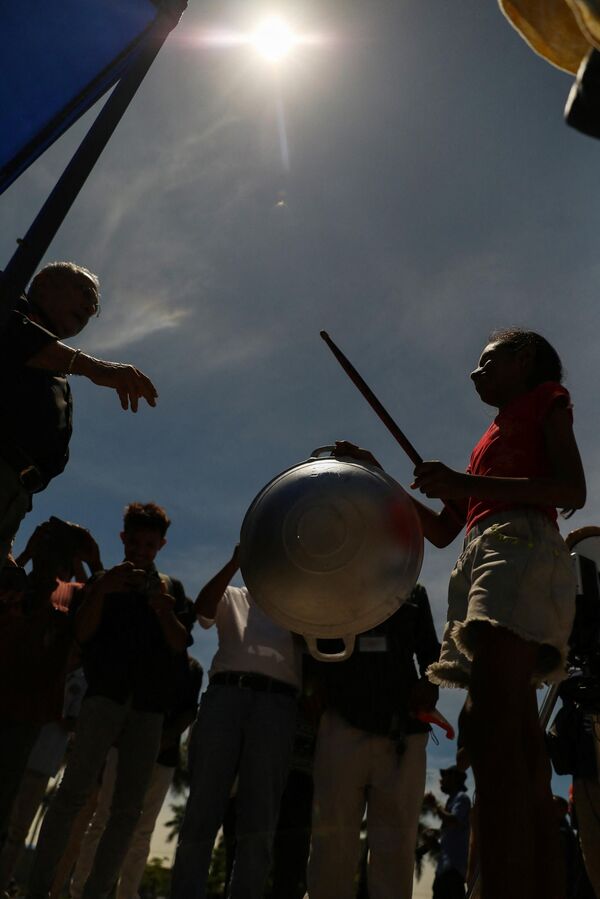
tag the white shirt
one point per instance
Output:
(251, 641)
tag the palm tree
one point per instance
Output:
(173, 826)
(427, 842)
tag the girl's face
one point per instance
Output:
(502, 374)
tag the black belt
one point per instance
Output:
(252, 681)
(28, 474)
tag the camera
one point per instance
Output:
(151, 584)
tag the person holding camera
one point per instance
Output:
(35, 405)
(133, 627)
(37, 614)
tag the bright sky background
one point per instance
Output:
(428, 192)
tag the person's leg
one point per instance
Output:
(16, 742)
(292, 838)
(28, 799)
(71, 853)
(394, 802)
(586, 793)
(340, 777)
(98, 726)
(268, 737)
(549, 861)
(496, 730)
(228, 827)
(137, 747)
(214, 752)
(95, 828)
(132, 869)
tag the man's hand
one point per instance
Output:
(161, 601)
(130, 383)
(437, 481)
(345, 448)
(122, 578)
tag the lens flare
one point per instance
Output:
(273, 39)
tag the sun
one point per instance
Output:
(273, 39)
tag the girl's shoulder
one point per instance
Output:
(548, 395)
(538, 402)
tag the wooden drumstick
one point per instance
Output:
(372, 400)
(383, 414)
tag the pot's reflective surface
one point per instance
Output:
(331, 547)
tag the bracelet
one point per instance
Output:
(72, 362)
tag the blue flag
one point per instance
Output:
(58, 58)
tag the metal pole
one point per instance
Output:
(34, 245)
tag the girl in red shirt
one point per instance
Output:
(511, 602)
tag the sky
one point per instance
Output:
(427, 191)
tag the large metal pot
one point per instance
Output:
(331, 548)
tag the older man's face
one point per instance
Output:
(69, 306)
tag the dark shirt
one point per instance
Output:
(454, 837)
(185, 702)
(35, 405)
(128, 657)
(371, 690)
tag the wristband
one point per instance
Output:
(72, 362)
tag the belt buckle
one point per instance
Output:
(246, 675)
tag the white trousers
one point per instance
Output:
(355, 770)
(132, 869)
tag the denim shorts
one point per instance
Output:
(515, 571)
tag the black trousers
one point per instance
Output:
(449, 885)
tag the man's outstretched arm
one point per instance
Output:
(130, 383)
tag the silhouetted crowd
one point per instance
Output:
(313, 771)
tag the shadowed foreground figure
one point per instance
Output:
(451, 868)
(35, 403)
(245, 728)
(37, 613)
(133, 637)
(511, 602)
(371, 756)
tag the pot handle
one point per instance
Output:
(316, 653)
(320, 450)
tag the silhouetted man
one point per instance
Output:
(35, 400)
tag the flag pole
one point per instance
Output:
(30, 252)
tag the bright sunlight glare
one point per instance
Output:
(273, 39)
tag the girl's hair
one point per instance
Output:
(546, 361)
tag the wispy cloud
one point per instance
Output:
(141, 318)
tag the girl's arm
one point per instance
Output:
(564, 488)
(440, 528)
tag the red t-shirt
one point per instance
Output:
(513, 446)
